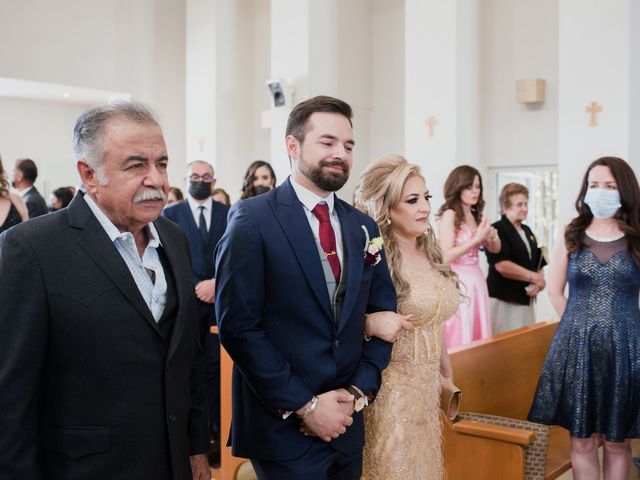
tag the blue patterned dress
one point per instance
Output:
(590, 381)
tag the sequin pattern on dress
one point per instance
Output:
(590, 381)
(403, 426)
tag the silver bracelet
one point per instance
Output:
(310, 408)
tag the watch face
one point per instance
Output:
(359, 403)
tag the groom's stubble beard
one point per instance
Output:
(327, 181)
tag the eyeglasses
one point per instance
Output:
(201, 178)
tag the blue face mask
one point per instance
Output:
(602, 203)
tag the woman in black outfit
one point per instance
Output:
(515, 276)
(12, 207)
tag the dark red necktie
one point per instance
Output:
(328, 238)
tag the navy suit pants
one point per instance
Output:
(211, 347)
(320, 462)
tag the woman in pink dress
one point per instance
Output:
(463, 232)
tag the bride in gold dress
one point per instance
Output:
(403, 431)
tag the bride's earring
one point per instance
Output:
(388, 220)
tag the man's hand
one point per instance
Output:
(346, 407)
(386, 326)
(206, 290)
(200, 467)
(328, 420)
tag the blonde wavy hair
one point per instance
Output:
(380, 189)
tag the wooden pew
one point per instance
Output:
(498, 376)
(229, 465)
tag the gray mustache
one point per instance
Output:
(149, 194)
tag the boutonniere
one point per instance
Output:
(372, 249)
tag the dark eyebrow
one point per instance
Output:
(335, 139)
(135, 158)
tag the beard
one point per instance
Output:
(327, 181)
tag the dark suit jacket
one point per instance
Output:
(89, 388)
(35, 203)
(514, 250)
(276, 322)
(201, 253)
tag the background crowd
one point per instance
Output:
(428, 295)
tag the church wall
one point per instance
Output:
(133, 47)
(41, 131)
(387, 77)
(595, 58)
(520, 41)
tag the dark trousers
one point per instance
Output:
(320, 462)
(211, 346)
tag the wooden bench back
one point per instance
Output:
(498, 376)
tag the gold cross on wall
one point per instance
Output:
(593, 109)
(430, 123)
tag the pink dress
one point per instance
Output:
(471, 321)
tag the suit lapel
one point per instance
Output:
(353, 240)
(291, 216)
(190, 223)
(96, 243)
(212, 226)
(171, 249)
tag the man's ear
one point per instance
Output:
(293, 147)
(87, 176)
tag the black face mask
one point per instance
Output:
(259, 190)
(200, 190)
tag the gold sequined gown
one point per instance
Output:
(403, 431)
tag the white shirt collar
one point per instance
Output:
(25, 191)
(310, 199)
(194, 205)
(112, 231)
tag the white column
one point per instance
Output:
(441, 80)
(201, 82)
(290, 63)
(222, 119)
(321, 47)
(634, 81)
(596, 63)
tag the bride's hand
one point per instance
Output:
(386, 326)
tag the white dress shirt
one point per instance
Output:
(309, 200)
(25, 191)
(154, 294)
(195, 209)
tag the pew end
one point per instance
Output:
(498, 377)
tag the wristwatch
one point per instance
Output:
(360, 400)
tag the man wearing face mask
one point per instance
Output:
(203, 222)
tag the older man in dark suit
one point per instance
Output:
(24, 176)
(100, 370)
(203, 222)
(293, 288)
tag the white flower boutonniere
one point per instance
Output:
(372, 249)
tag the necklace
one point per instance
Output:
(617, 236)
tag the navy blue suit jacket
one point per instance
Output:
(201, 253)
(275, 320)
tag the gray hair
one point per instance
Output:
(90, 126)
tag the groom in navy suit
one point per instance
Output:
(203, 222)
(293, 289)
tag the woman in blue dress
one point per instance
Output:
(590, 382)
